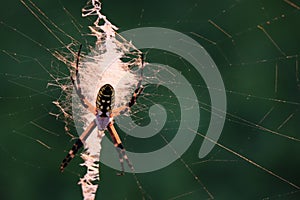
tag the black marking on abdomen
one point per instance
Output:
(105, 99)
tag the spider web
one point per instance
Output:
(253, 43)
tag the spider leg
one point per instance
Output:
(135, 95)
(119, 147)
(139, 89)
(88, 131)
(77, 145)
(77, 87)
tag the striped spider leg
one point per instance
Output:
(104, 114)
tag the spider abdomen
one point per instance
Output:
(105, 100)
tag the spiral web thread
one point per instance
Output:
(103, 65)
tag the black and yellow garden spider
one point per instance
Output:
(104, 114)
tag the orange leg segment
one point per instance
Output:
(114, 135)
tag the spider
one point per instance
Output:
(104, 114)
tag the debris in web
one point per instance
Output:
(110, 60)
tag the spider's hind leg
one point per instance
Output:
(139, 87)
(76, 83)
(135, 95)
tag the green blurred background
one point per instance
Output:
(257, 58)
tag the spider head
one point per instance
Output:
(102, 122)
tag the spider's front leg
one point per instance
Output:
(77, 145)
(119, 147)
